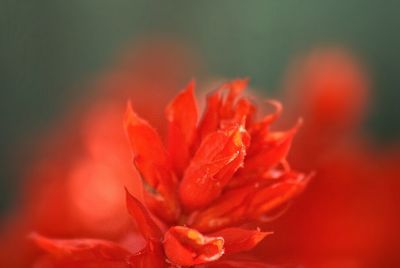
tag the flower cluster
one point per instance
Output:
(203, 191)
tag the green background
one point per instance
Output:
(46, 47)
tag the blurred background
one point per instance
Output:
(48, 48)
(51, 51)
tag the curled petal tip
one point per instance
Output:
(185, 246)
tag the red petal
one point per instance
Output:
(219, 109)
(270, 152)
(251, 201)
(211, 168)
(225, 211)
(152, 255)
(238, 239)
(235, 88)
(187, 247)
(144, 139)
(210, 120)
(244, 111)
(151, 160)
(272, 196)
(82, 249)
(52, 262)
(182, 116)
(145, 223)
(260, 129)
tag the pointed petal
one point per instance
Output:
(272, 196)
(261, 128)
(211, 168)
(210, 120)
(219, 109)
(187, 247)
(270, 152)
(147, 227)
(82, 249)
(235, 88)
(182, 115)
(151, 160)
(238, 239)
(244, 112)
(248, 202)
(144, 139)
(229, 209)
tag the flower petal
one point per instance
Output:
(235, 87)
(239, 239)
(272, 196)
(226, 211)
(151, 160)
(261, 128)
(271, 151)
(182, 115)
(185, 246)
(252, 201)
(210, 121)
(219, 109)
(145, 223)
(218, 157)
(82, 249)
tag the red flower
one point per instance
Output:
(215, 177)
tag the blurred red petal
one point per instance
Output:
(82, 249)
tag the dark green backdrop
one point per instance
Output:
(47, 46)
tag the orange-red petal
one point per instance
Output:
(227, 210)
(151, 160)
(218, 157)
(185, 246)
(210, 120)
(271, 151)
(144, 139)
(147, 227)
(235, 87)
(182, 115)
(272, 196)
